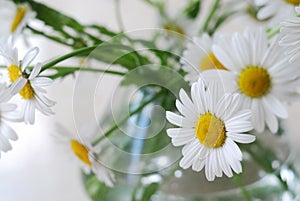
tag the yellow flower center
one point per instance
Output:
(81, 152)
(20, 14)
(211, 62)
(15, 73)
(174, 28)
(210, 131)
(254, 81)
(294, 2)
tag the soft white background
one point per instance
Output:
(36, 169)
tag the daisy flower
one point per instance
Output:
(260, 73)
(210, 124)
(290, 36)
(198, 57)
(275, 9)
(79, 148)
(13, 17)
(6, 109)
(26, 82)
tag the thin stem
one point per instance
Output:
(54, 38)
(119, 16)
(63, 71)
(210, 16)
(160, 6)
(283, 183)
(239, 181)
(273, 31)
(67, 56)
(116, 125)
(268, 168)
(99, 70)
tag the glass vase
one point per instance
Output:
(139, 151)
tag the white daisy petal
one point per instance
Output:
(242, 116)
(179, 120)
(187, 161)
(224, 58)
(192, 149)
(209, 169)
(241, 138)
(275, 105)
(198, 165)
(8, 132)
(186, 101)
(7, 107)
(197, 100)
(233, 149)
(223, 163)
(271, 121)
(185, 111)
(29, 57)
(233, 162)
(36, 70)
(18, 85)
(239, 126)
(216, 167)
(103, 174)
(178, 132)
(257, 115)
(4, 144)
(226, 78)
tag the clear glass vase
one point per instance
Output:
(146, 164)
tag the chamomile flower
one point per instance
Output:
(260, 73)
(13, 17)
(199, 57)
(210, 124)
(276, 9)
(290, 36)
(79, 148)
(6, 109)
(26, 82)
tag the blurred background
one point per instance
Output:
(36, 169)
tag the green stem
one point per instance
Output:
(273, 31)
(118, 15)
(239, 181)
(263, 162)
(53, 38)
(160, 6)
(283, 183)
(210, 16)
(63, 71)
(69, 55)
(95, 70)
(116, 125)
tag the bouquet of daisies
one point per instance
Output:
(220, 90)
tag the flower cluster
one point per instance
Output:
(236, 85)
(26, 87)
(24, 79)
(256, 79)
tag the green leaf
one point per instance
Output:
(119, 54)
(149, 191)
(193, 9)
(156, 75)
(62, 72)
(54, 18)
(102, 30)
